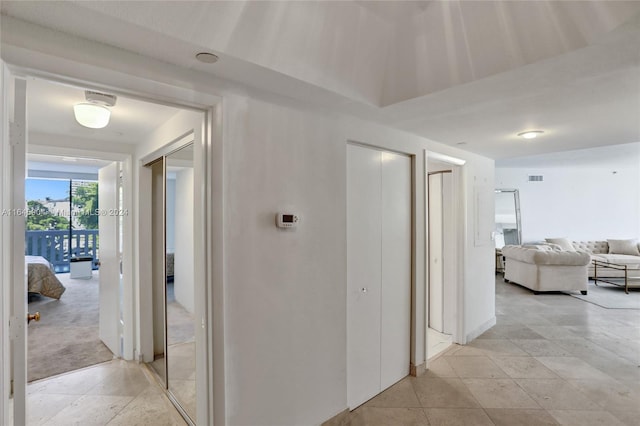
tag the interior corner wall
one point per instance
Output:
(580, 203)
(184, 240)
(285, 290)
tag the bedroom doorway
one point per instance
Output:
(82, 232)
(127, 142)
(65, 266)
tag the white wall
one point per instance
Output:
(184, 241)
(286, 291)
(580, 203)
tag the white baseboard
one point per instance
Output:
(478, 331)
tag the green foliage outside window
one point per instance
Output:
(40, 218)
(85, 201)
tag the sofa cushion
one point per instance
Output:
(592, 246)
(629, 247)
(546, 257)
(564, 243)
(621, 259)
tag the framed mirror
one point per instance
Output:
(173, 272)
(508, 230)
(181, 344)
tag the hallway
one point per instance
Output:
(551, 359)
(112, 393)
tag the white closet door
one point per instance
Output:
(448, 256)
(436, 277)
(396, 268)
(378, 271)
(363, 274)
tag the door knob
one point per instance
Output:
(364, 289)
(33, 317)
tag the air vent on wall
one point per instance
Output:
(535, 178)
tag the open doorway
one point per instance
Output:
(63, 258)
(443, 254)
(134, 131)
(92, 319)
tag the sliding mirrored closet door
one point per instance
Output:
(173, 276)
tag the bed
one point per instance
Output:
(41, 279)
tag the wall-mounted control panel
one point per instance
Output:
(287, 220)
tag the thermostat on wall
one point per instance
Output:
(286, 220)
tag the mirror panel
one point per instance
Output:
(180, 288)
(508, 229)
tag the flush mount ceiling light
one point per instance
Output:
(94, 113)
(207, 58)
(531, 134)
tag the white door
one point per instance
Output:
(364, 275)
(441, 253)
(396, 268)
(109, 254)
(378, 271)
(14, 290)
(448, 255)
(436, 271)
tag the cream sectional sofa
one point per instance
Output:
(600, 250)
(546, 268)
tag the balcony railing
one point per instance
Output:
(59, 246)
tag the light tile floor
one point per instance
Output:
(112, 393)
(551, 359)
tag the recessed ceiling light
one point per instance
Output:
(531, 134)
(207, 58)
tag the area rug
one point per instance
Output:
(66, 337)
(610, 296)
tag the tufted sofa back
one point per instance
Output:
(594, 247)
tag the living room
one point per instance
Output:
(586, 201)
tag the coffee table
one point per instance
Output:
(618, 267)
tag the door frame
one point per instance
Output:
(128, 295)
(457, 167)
(413, 317)
(211, 188)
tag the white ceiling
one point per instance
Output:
(456, 71)
(626, 156)
(50, 111)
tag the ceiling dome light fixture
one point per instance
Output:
(207, 58)
(94, 113)
(531, 134)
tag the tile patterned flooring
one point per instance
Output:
(112, 393)
(551, 359)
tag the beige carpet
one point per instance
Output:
(610, 296)
(66, 338)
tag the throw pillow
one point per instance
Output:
(564, 243)
(629, 247)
